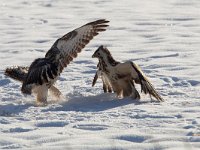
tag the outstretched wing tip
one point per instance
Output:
(99, 25)
(99, 21)
(67, 47)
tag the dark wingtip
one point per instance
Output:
(100, 21)
(104, 20)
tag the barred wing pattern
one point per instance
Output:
(67, 47)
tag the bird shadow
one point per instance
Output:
(96, 103)
(77, 103)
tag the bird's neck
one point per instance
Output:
(108, 61)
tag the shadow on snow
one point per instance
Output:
(94, 103)
(74, 103)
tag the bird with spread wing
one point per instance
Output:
(40, 77)
(121, 77)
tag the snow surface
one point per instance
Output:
(163, 37)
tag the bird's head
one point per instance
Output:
(101, 52)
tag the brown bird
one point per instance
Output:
(121, 77)
(43, 72)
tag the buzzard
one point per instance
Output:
(121, 77)
(41, 75)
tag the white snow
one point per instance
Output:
(163, 37)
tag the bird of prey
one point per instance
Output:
(121, 77)
(41, 75)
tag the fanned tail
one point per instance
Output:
(18, 73)
(146, 85)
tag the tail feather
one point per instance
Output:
(148, 88)
(18, 73)
(146, 85)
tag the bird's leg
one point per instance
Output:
(120, 94)
(109, 89)
(106, 85)
(55, 92)
(135, 94)
(42, 93)
(105, 88)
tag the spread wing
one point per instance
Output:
(67, 47)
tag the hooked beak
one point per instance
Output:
(94, 56)
(95, 53)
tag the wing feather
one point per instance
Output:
(41, 71)
(63, 51)
(72, 43)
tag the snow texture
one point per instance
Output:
(163, 37)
